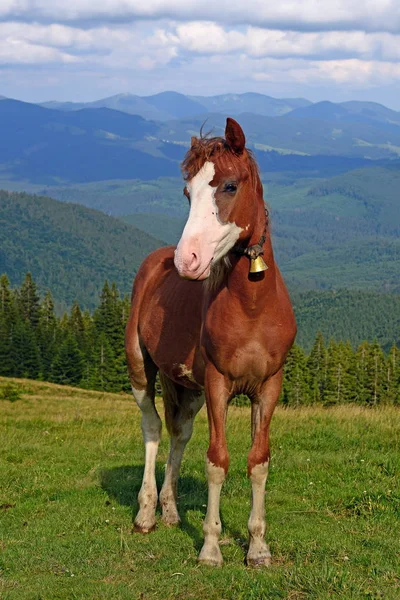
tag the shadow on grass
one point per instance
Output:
(122, 484)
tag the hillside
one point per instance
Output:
(169, 105)
(53, 147)
(307, 134)
(71, 250)
(68, 248)
(43, 145)
(312, 262)
(348, 315)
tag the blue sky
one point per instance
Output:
(83, 50)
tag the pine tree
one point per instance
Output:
(25, 351)
(295, 390)
(29, 301)
(340, 381)
(393, 376)
(77, 327)
(47, 334)
(5, 296)
(316, 369)
(378, 374)
(108, 317)
(68, 365)
(102, 371)
(7, 320)
(371, 374)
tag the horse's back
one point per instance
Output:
(165, 318)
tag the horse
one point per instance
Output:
(211, 329)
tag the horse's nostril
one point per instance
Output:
(194, 261)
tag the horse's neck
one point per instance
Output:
(253, 291)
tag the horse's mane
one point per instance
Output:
(216, 149)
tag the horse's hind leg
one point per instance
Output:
(258, 461)
(181, 408)
(142, 372)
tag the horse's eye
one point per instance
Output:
(230, 188)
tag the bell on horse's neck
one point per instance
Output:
(257, 265)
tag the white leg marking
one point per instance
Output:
(168, 494)
(151, 427)
(210, 553)
(258, 554)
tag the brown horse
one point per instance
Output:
(210, 327)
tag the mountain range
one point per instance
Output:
(54, 146)
(168, 106)
(331, 174)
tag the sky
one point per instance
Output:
(82, 50)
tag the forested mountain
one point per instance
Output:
(362, 112)
(68, 248)
(47, 146)
(43, 145)
(87, 350)
(170, 105)
(348, 315)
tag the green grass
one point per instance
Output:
(71, 466)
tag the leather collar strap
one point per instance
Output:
(257, 249)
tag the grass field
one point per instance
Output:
(71, 466)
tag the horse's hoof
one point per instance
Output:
(210, 556)
(170, 516)
(143, 528)
(171, 522)
(210, 562)
(259, 562)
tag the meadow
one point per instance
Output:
(71, 464)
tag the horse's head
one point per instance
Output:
(222, 184)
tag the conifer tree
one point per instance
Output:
(25, 351)
(340, 382)
(103, 367)
(316, 369)
(295, 390)
(47, 334)
(7, 320)
(5, 296)
(29, 301)
(68, 365)
(77, 326)
(108, 317)
(393, 376)
(371, 374)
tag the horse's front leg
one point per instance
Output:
(217, 462)
(258, 461)
(151, 428)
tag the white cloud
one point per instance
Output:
(353, 72)
(210, 38)
(311, 15)
(159, 44)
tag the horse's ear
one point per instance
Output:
(234, 136)
(193, 141)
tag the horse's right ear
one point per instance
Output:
(193, 141)
(234, 136)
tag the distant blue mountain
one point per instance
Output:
(172, 105)
(44, 145)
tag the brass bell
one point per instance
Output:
(257, 265)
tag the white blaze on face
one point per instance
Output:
(205, 239)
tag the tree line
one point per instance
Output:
(87, 350)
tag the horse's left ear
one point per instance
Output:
(234, 136)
